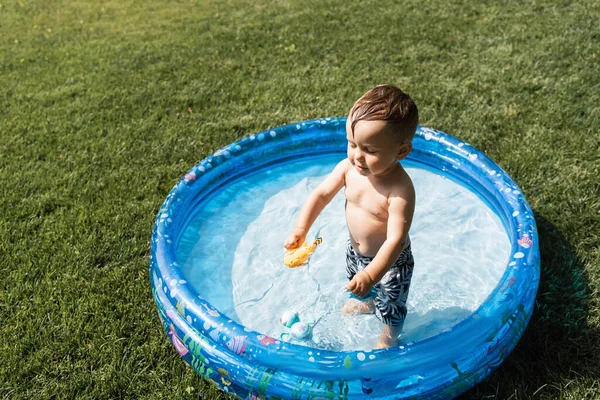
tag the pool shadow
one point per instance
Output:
(558, 346)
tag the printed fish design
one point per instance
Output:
(266, 340)
(299, 256)
(179, 346)
(191, 176)
(211, 311)
(525, 241)
(237, 344)
(180, 308)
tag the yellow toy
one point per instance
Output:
(299, 256)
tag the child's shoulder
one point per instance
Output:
(343, 166)
(402, 184)
(338, 175)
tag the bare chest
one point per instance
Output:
(365, 197)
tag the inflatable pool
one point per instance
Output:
(250, 364)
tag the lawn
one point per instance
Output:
(105, 105)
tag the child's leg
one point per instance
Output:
(390, 303)
(389, 337)
(354, 307)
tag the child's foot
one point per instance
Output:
(384, 343)
(389, 337)
(355, 307)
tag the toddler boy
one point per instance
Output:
(380, 202)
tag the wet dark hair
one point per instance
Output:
(390, 104)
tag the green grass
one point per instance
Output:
(95, 130)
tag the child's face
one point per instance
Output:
(374, 150)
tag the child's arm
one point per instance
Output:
(401, 209)
(316, 202)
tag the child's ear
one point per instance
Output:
(404, 149)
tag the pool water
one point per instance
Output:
(232, 254)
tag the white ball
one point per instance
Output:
(300, 331)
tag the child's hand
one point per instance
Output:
(293, 241)
(360, 284)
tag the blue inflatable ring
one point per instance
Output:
(251, 365)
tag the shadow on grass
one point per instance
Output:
(558, 347)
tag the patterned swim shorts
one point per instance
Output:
(391, 292)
